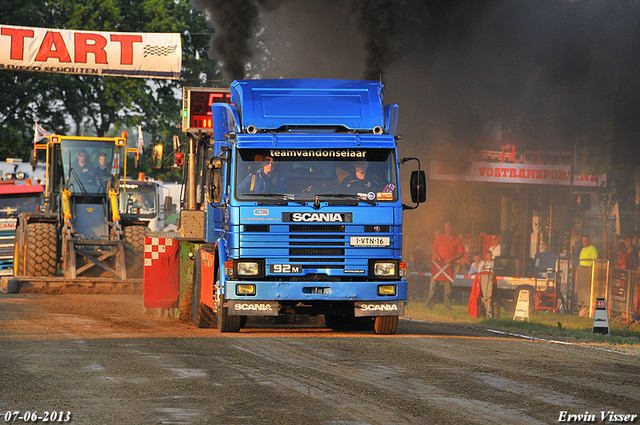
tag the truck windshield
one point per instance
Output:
(137, 199)
(87, 164)
(336, 175)
(12, 205)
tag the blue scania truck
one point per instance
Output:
(297, 192)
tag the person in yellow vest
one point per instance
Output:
(588, 253)
(265, 180)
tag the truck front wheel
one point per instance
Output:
(226, 322)
(385, 325)
(41, 249)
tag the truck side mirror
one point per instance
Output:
(418, 187)
(168, 205)
(156, 156)
(214, 181)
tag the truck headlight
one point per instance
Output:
(384, 269)
(247, 268)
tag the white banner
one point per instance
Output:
(142, 55)
(497, 172)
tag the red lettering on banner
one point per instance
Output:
(538, 174)
(521, 174)
(531, 174)
(17, 41)
(489, 172)
(52, 39)
(512, 173)
(83, 47)
(546, 174)
(563, 175)
(482, 170)
(126, 46)
(554, 175)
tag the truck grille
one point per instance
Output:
(316, 251)
(329, 228)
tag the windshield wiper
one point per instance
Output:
(278, 196)
(347, 196)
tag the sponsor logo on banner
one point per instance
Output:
(517, 173)
(143, 55)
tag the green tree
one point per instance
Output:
(72, 104)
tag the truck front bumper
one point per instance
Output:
(361, 298)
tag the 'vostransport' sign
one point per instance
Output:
(518, 173)
(143, 55)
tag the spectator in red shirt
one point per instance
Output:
(446, 249)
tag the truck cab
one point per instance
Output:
(303, 211)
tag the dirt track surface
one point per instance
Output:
(105, 360)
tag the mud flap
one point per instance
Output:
(207, 277)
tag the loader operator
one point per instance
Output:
(83, 167)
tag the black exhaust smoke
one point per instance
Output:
(234, 22)
(378, 22)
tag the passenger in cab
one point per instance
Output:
(265, 180)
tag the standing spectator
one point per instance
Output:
(632, 253)
(447, 249)
(477, 265)
(623, 260)
(588, 253)
(464, 264)
(419, 259)
(495, 246)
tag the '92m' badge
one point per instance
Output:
(285, 268)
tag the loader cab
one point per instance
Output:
(81, 164)
(86, 165)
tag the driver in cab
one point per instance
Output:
(361, 177)
(265, 180)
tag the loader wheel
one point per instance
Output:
(134, 249)
(201, 314)
(385, 325)
(226, 321)
(41, 249)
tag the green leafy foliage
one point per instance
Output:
(100, 106)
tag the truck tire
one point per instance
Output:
(134, 250)
(385, 325)
(41, 249)
(226, 321)
(201, 314)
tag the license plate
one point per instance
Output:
(370, 241)
(285, 268)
